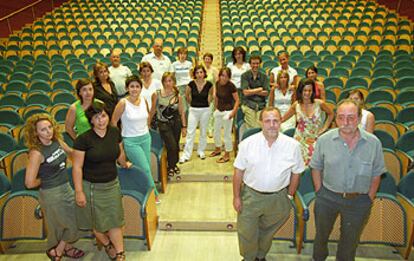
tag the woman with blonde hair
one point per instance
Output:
(171, 120)
(282, 97)
(46, 169)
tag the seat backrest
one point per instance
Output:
(4, 184)
(405, 142)
(250, 132)
(306, 183)
(387, 184)
(134, 178)
(406, 185)
(18, 181)
(386, 139)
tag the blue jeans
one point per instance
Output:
(354, 215)
(138, 151)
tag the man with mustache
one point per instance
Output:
(266, 176)
(352, 162)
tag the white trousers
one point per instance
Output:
(196, 116)
(221, 121)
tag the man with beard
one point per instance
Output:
(352, 162)
(266, 176)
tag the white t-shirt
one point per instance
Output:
(292, 73)
(134, 119)
(364, 118)
(271, 173)
(160, 66)
(147, 93)
(236, 73)
(182, 72)
(118, 75)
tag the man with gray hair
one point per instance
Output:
(118, 73)
(159, 62)
(346, 170)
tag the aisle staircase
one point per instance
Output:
(210, 39)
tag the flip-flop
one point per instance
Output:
(215, 153)
(223, 160)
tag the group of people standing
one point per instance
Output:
(110, 124)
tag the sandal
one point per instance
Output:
(108, 248)
(73, 252)
(215, 153)
(223, 160)
(177, 170)
(56, 257)
(120, 256)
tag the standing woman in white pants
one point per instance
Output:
(226, 102)
(198, 94)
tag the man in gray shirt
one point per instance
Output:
(255, 89)
(346, 169)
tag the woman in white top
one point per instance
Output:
(149, 87)
(284, 65)
(133, 111)
(282, 97)
(182, 69)
(238, 66)
(367, 117)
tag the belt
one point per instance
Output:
(262, 192)
(349, 195)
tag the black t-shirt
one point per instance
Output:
(101, 154)
(199, 99)
(110, 99)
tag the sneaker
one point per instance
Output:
(182, 160)
(202, 155)
(157, 200)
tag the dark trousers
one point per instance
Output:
(170, 133)
(354, 215)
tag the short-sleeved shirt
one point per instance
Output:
(224, 95)
(344, 170)
(118, 76)
(199, 99)
(101, 154)
(268, 169)
(182, 72)
(237, 72)
(255, 102)
(160, 66)
(291, 71)
(110, 99)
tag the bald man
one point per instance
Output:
(118, 73)
(160, 63)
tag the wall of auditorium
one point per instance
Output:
(25, 17)
(406, 8)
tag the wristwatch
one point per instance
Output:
(290, 197)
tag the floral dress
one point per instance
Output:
(307, 130)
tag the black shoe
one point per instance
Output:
(177, 170)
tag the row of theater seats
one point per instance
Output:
(394, 202)
(96, 27)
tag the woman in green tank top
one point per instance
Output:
(76, 122)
